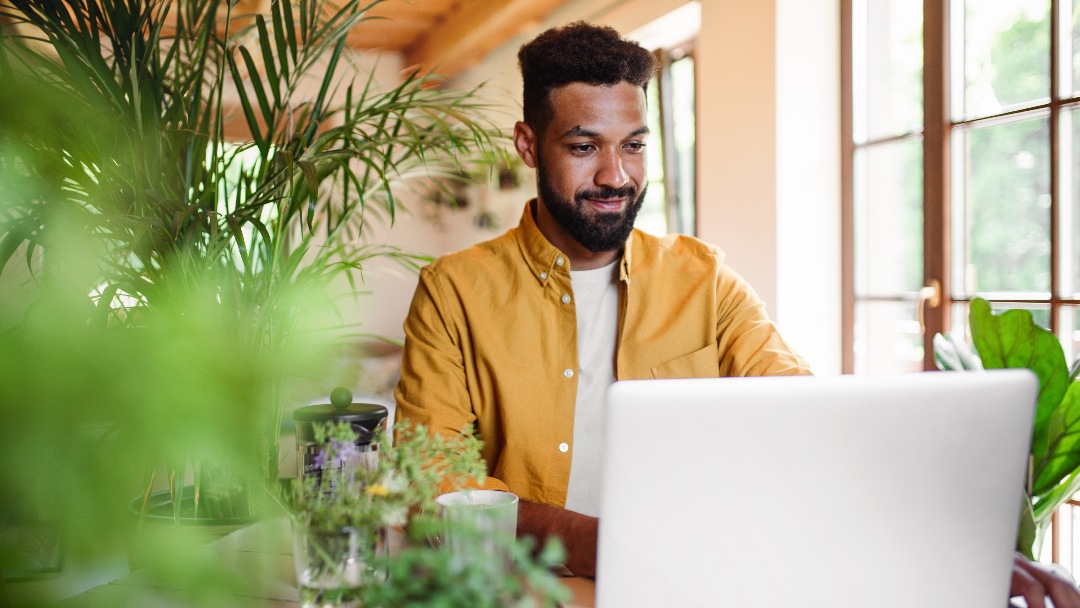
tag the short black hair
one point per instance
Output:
(578, 52)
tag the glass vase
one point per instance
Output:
(333, 565)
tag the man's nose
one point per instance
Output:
(611, 172)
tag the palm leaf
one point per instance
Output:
(150, 177)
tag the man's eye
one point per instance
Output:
(635, 146)
(581, 148)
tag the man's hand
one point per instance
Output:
(1036, 582)
(576, 531)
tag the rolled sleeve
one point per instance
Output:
(433, 389)
(749, 343)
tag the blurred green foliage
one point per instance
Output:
(419, 576)
(160, 286)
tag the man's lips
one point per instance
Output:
(607, 204)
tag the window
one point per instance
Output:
(962, 173)
(886, 204)
(963, 126)
(671, 201)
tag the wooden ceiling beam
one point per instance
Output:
(472, 30)
(388, 34)
(414, 9)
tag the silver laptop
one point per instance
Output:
(849, 491)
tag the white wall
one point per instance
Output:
(809, 298)
(768, 158)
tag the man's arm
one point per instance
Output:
(747, 340)
(432, 389)
(577, 532)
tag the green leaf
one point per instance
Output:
(310, 173)
(303, 22)
(281, 13)
(260, 92)
(318, 111)
(245, 105)
(1048, 503)
(1063, 455)
(952, 353)
(268, 58)
(1013, 340)
(17, 232)
(1029, 530)
(945, 356)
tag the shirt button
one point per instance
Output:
(563, 447)
(569, 373)
(566, 298)
(543, 275)
(559, 261)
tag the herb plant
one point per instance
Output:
(403, 479)
(398, 490)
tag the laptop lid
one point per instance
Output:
(884, 491)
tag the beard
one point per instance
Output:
(603, 231)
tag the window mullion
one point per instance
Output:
(936, 157)
(1055, 176)
(667, 141)
(847, 193)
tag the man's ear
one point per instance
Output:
(525, 142)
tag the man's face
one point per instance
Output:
(590, 162)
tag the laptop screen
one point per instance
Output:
(861, 491)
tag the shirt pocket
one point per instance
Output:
(702, 363)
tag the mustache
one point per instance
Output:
(607, 192)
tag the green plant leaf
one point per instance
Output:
(255, 81)
(1013, 340)
(1053, 499)
(17, 234)
(284, 34)
(269, 58)
(121, 126)
(952, 353)
(1029, 530)
(245, 105)
(1063, 454)
(310, 173)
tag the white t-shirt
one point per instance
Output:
(596, 297)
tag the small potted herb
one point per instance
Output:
(342, 519)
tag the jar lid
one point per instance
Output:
(365, 416)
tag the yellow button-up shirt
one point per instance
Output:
(491, 340)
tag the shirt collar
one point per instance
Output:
(545, 260)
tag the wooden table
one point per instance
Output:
(256, 564)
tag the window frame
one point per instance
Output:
(941, 20)
(675, 208)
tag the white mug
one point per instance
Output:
(480, 524)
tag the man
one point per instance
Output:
(521, 335)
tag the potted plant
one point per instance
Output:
(342, 517)
(1012, 339)
(138, 163)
